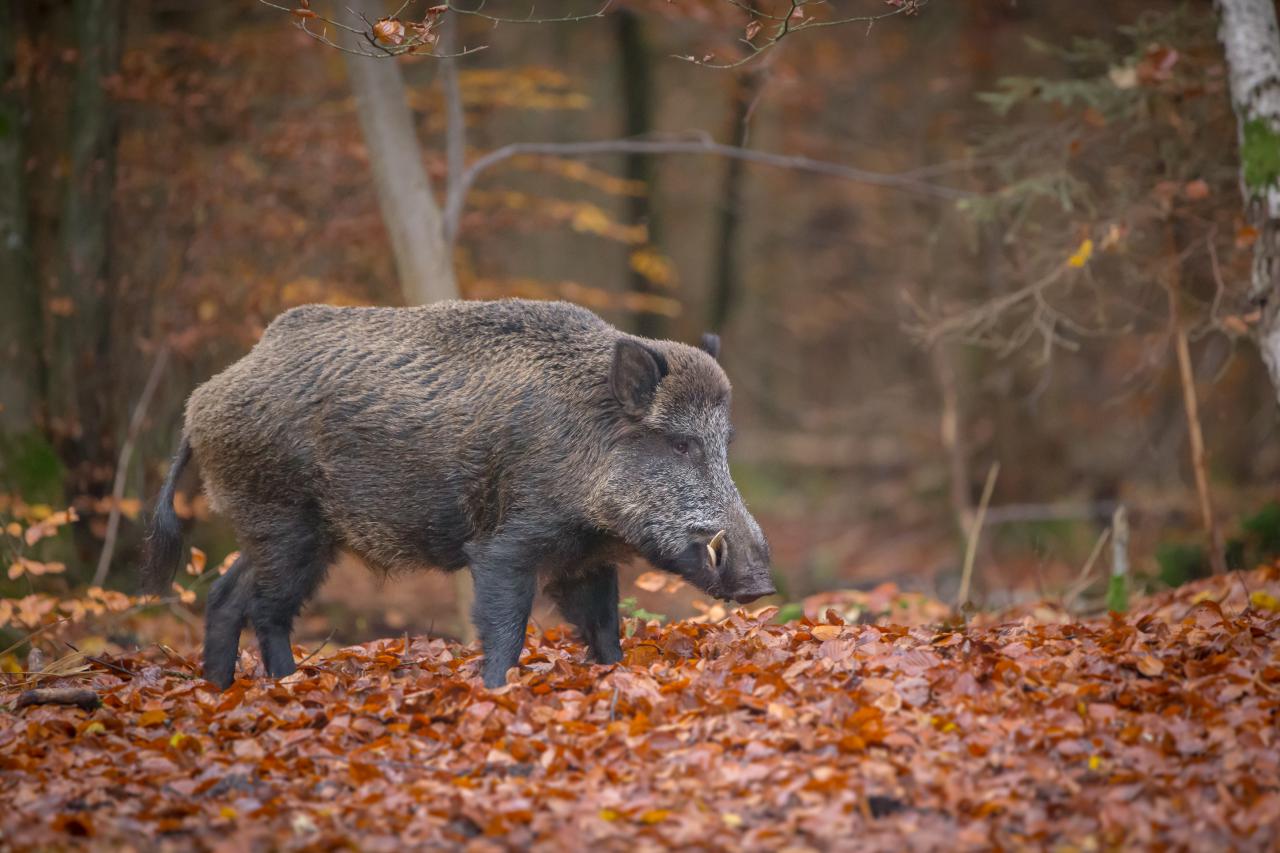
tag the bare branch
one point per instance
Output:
(697, 144)
(973, 324)
(420, 42)
(793, 22)
(567, 19)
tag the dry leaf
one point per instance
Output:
(1150, 665)
(389, 31)
(1081, 255)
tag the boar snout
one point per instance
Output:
(748, 575)
(738, 563)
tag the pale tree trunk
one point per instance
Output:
(20, 334)
(410, 213)
(1251, 40)
(422, 248)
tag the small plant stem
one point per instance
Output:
(1118, 587)
(975, 533)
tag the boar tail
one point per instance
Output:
(164, 539)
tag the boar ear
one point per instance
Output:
(710, 344)
(635, 374)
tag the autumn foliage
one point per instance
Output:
(1153, 730)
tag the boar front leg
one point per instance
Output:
(505, 576)
(590, 603)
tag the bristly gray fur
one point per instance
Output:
(526, 440)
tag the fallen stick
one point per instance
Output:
(79, 696)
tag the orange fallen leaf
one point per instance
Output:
(825, 632)
(154, 717)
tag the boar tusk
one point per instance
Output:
(713, 549)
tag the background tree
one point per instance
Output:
(414, 224)
(1251, 41)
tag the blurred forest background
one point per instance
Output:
(1012, 218)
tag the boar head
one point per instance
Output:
(667, 491)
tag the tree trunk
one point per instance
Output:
(1251, 40)
(724, 293)
(637, 104)
(409, 209)
(414, 222)
(21, 368)
(77, 403)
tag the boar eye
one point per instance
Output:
(686, 445)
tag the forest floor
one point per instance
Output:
(1157, 729)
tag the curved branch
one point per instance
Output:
(689, 145)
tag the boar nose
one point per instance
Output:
(749, 577)
(748, 596)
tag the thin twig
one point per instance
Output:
(413, 45)
(567, 19)
(975, 320)
(789, 23)
(1186, 374)
(1086, 572)
(324, 643)
(975, 532)
(122, 465)
(1198, 466)
(99, 661)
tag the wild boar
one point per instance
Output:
(524, 440)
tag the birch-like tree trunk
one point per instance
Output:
(410, 213)
(1251, 40)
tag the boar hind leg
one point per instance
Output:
(591, 605)
(224, 619)
(505, 578)
(288, 568)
